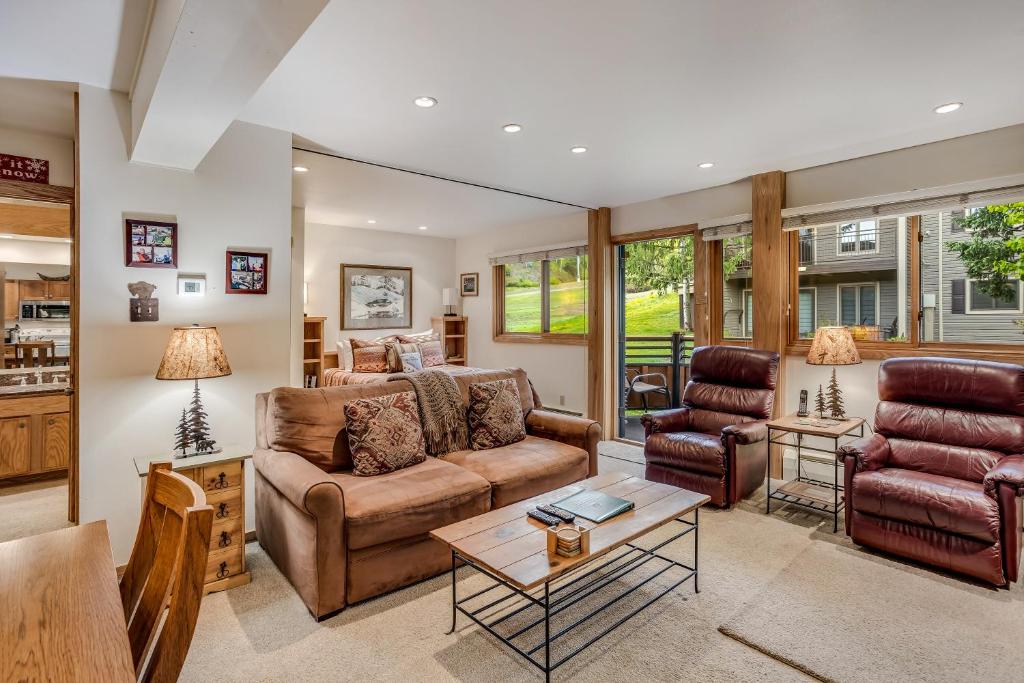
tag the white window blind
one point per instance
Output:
(722, 228)
(540, 254)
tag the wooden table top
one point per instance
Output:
(514, 546)
(60, 609)
(815, 426)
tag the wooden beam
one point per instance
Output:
(701, 292)
(33, 220)
(771, 276)
(74, 466)
(655, 234)
(17, 189)
(600, 332)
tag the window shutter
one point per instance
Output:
(956, 217)
(959, 296)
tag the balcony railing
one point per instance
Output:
(667, 354)
(806, 249)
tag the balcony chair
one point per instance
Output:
(637, 385)
(941, 480)
(716, 442)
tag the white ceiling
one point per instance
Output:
(339, 192)
(45, 107)
(651, 88)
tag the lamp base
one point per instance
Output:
(184, 456)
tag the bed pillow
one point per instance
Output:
(429, 335)
(345, 356)
(495, 414)
(384, 433)
(412, 362)
(395, 351)
(369, 356)
(432, 353)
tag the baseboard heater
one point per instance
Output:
(562, 411)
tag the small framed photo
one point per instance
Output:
(247, 272)
(469, 284)
(150, 244)
(191, 285)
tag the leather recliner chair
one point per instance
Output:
(940, 480)
(716, 443)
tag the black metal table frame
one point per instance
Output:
(554, 600)
(836, 484)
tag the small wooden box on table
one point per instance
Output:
(806, 491)
(222, 476)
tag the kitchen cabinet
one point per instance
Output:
(45, 290)
(11, 309)
(35, 435)
(15, 446)
(59, 291)
(56, 437)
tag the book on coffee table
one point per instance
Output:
(596, 506)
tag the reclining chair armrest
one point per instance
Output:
(575, 431)
(1009, 471)
(674, 420)
(747, 433)
(302, 483)
(870, 452)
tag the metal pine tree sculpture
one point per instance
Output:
(199, 430)
(835, 398)
(182, 438)
(819, 403)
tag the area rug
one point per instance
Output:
(622, 451)
(840, 613)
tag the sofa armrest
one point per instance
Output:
(575, 431)
(302, 483)
(870, 453)
(747, 433)
(675, 420)
(1009, 471)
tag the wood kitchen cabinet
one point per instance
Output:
(12, 310)
(35, 435)
(15, 446)
(44, 290)
(59, 291)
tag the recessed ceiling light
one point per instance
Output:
(511, 128)
(371, 221)
(425, 102)
(578, 149)
(946, 108)
(299, 169)
(423, 227)
(706, 164)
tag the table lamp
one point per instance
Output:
(832, 346)
(193, 353)
(448, 299)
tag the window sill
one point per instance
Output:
(549, 338)
(882, 350)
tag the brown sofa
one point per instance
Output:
(940, 481)
(340, 538)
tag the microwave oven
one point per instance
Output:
(46, 310)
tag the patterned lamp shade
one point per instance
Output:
(833, 346)
(193, 353)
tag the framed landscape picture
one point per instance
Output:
(150, 244)
(375, 297)
(469, 284)
(247, 272)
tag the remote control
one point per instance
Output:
(547, 520)
(557, 512)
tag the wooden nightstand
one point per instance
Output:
(222, 476)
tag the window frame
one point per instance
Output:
(858, 250)
(499, 334)
(968, 301)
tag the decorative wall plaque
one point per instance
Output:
(25, 169)
(143, 308)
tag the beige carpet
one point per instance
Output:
(617, 450)
(842, 614)
(30, 509)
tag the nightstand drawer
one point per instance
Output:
(227, 535)
(219, 477)
(226, 504)
(223, 564)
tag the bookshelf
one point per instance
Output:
(454, 340)
(313, 348)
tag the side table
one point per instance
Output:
(222, 477)
(809, 492)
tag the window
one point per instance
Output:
(806, 246)
(858, 237)
(542, 296)
(748, 313)
(808, 313)
(737, 274)
(980, 302)
(858, 304)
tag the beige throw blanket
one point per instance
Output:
(441, 411)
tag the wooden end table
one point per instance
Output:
(809, 492)
(511, 550)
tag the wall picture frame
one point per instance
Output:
(246, 272)
(150, 244)
(375, 297)
(469, 284)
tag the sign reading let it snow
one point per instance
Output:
(24, 169)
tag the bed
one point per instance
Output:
(336, 377)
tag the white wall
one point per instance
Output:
(60, 152)
(556, 370)
(683, 209)
(239, 196)
(16, 251)
(432, 260)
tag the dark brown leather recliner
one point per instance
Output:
(716, 443)
(940, 481)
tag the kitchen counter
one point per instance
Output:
(21, 381)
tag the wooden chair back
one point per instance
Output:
(167, 569)
(26, 353)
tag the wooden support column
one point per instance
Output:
(701, 291)
(600, 331)
(771, 282)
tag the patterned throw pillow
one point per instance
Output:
(384, 433)
(432, 353)
(495, 414)
(395, 351)
(411, 362)
(369, 356)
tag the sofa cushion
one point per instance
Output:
(412, 501)
(495, 415)
(929, 500)
(524, 469)
(692, 451)
(384, 433)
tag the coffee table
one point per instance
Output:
(531, 586)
